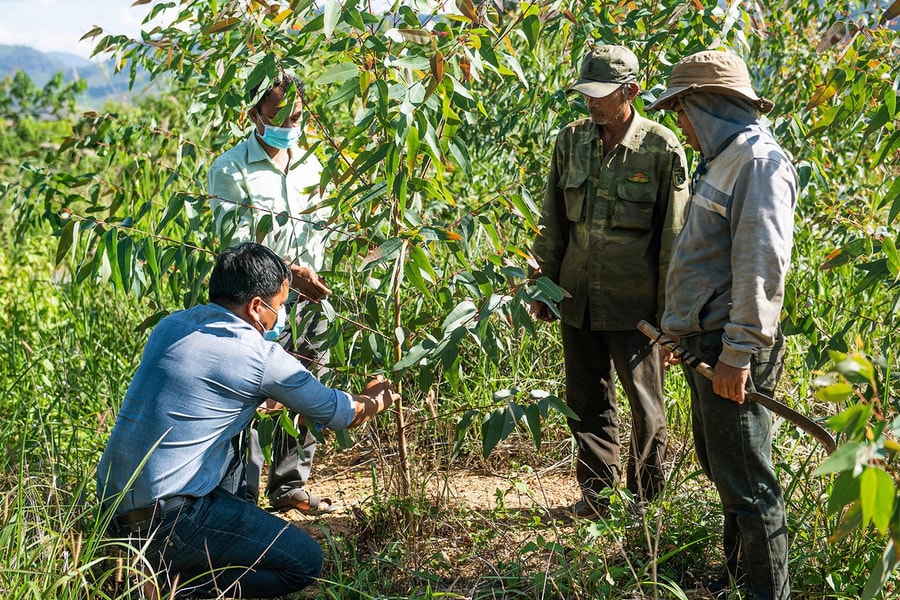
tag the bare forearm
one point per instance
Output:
(376, 398)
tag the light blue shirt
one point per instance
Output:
(202, 376)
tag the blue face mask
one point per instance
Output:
(281, 138)
(270, 335)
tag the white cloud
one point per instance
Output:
(58, 25)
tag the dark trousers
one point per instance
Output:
(222, 546)
(734, 446)
(590, 357)
(292, 457)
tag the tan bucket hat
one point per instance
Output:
(710, 71)
(604, 69)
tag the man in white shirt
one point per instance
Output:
(265, 189)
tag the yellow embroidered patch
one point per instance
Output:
(638, 178)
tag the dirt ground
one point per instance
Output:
(347, 478)
(503, 495)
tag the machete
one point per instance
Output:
(779, 408)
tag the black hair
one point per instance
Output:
(244, 272)
(284, 82)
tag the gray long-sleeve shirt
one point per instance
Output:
(729, 261)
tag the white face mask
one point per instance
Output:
(270, 335)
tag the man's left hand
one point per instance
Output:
(729, 382)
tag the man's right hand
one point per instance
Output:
(541, 311)
(667, 357)
(308, 283)
(376, 397)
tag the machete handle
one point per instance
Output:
(675, 348)
(779, 408)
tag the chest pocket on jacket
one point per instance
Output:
(634, 205)
(573, 183)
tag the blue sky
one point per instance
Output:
(57, 25)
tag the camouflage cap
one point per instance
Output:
(604, 69)
(710, 71)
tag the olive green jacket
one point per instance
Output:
(608, 222)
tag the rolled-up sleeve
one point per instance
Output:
(287, 381)
(229, 201)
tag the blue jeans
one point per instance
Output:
(734, 446)
(221, 544)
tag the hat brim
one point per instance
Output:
(668, 98)
(594, 89)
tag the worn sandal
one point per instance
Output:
(306, 503)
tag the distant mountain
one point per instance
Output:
(103, 84)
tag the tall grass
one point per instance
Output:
(70, 352)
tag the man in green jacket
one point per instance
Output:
(614, 202)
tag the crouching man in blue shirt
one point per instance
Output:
(165, 470)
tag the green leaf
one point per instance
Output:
(883, 566)
(892, 197)
(347, 90)
(837, 392)
(554, 402)
(327, 310)
(856, 367)
(337, 74)
(504, 394)
(173, 209)
(66, 241)
(151, 321)
(498, 425)
(414, 356)
(264, 227)
(418, 256)
(414, 274)
(888, 147)
(265, 427)
(462, 426)
(531, 27)
(460, 154)
(876, 496)
(287, 423)
(459, 316)
(844, 491)
(517, 69)
(332, 15)
(547, 292)
(851, 521)
(893, 258)
(851, 456)
(852, 421)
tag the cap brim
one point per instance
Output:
(594, 89)
(668, 98)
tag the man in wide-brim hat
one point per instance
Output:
(724, 295)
